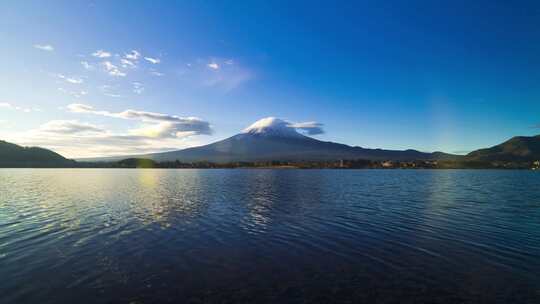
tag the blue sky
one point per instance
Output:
(429, 75)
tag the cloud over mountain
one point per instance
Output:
(275, 125)
(310, 127)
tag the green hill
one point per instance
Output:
(15, 156)
(519, 148)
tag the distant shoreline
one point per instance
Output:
(135, 163)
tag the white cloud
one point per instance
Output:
(109, 66)
(80, 108)
(113, 95)
(163, 130)
(113, 69)
(152, 60)
(138, 88)
(101, 54)
(157, 132)
(44, 47)
(87, 65)
(213, 66)
(7, 105)
(76, 139)
(218, 73)
(110, 91)
(156, 73)
(273, 123)
(310, 127)
(127, 64)
(76, 94)
(70, 79)
(169, 125)
(72, 138)
(133, 55)
(69, 127)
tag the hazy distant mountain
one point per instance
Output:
(519, 148)
(274, 139)
(12, 155)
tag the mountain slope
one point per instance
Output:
(274, 139)
(519, 148)
(12, 155)
(254, 147)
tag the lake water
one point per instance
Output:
(260, 236)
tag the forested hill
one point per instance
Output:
(519, 148)
(15, 156)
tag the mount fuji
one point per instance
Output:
(274, 139)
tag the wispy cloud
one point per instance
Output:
(72, 138)
(225, 74)
(110, 91)
(138, 88)
(7, 105)
(69, 127)
(276, 124)
(156, 124)
(113, 95)
(113, 69)
(73, 80)
(152, 60)
(213, 66)
(101, 54)
(44, 47)
(87, 65)
(133, 55)
(309, 127)
(127, 64)
(76, 93)
(156, 73)
(229, 80)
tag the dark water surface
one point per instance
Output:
(259, 236)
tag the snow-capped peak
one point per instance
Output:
(272, 126)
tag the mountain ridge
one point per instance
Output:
(254, 147)
(517, 148)
(12, 155)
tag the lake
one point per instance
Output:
(269, 236)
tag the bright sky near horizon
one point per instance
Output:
(96, 78)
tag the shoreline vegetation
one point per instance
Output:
(140, 163)
(339, 164)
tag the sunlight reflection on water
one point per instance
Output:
(100, 236)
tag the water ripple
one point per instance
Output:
(148, 236)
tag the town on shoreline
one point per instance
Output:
(339, 164)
